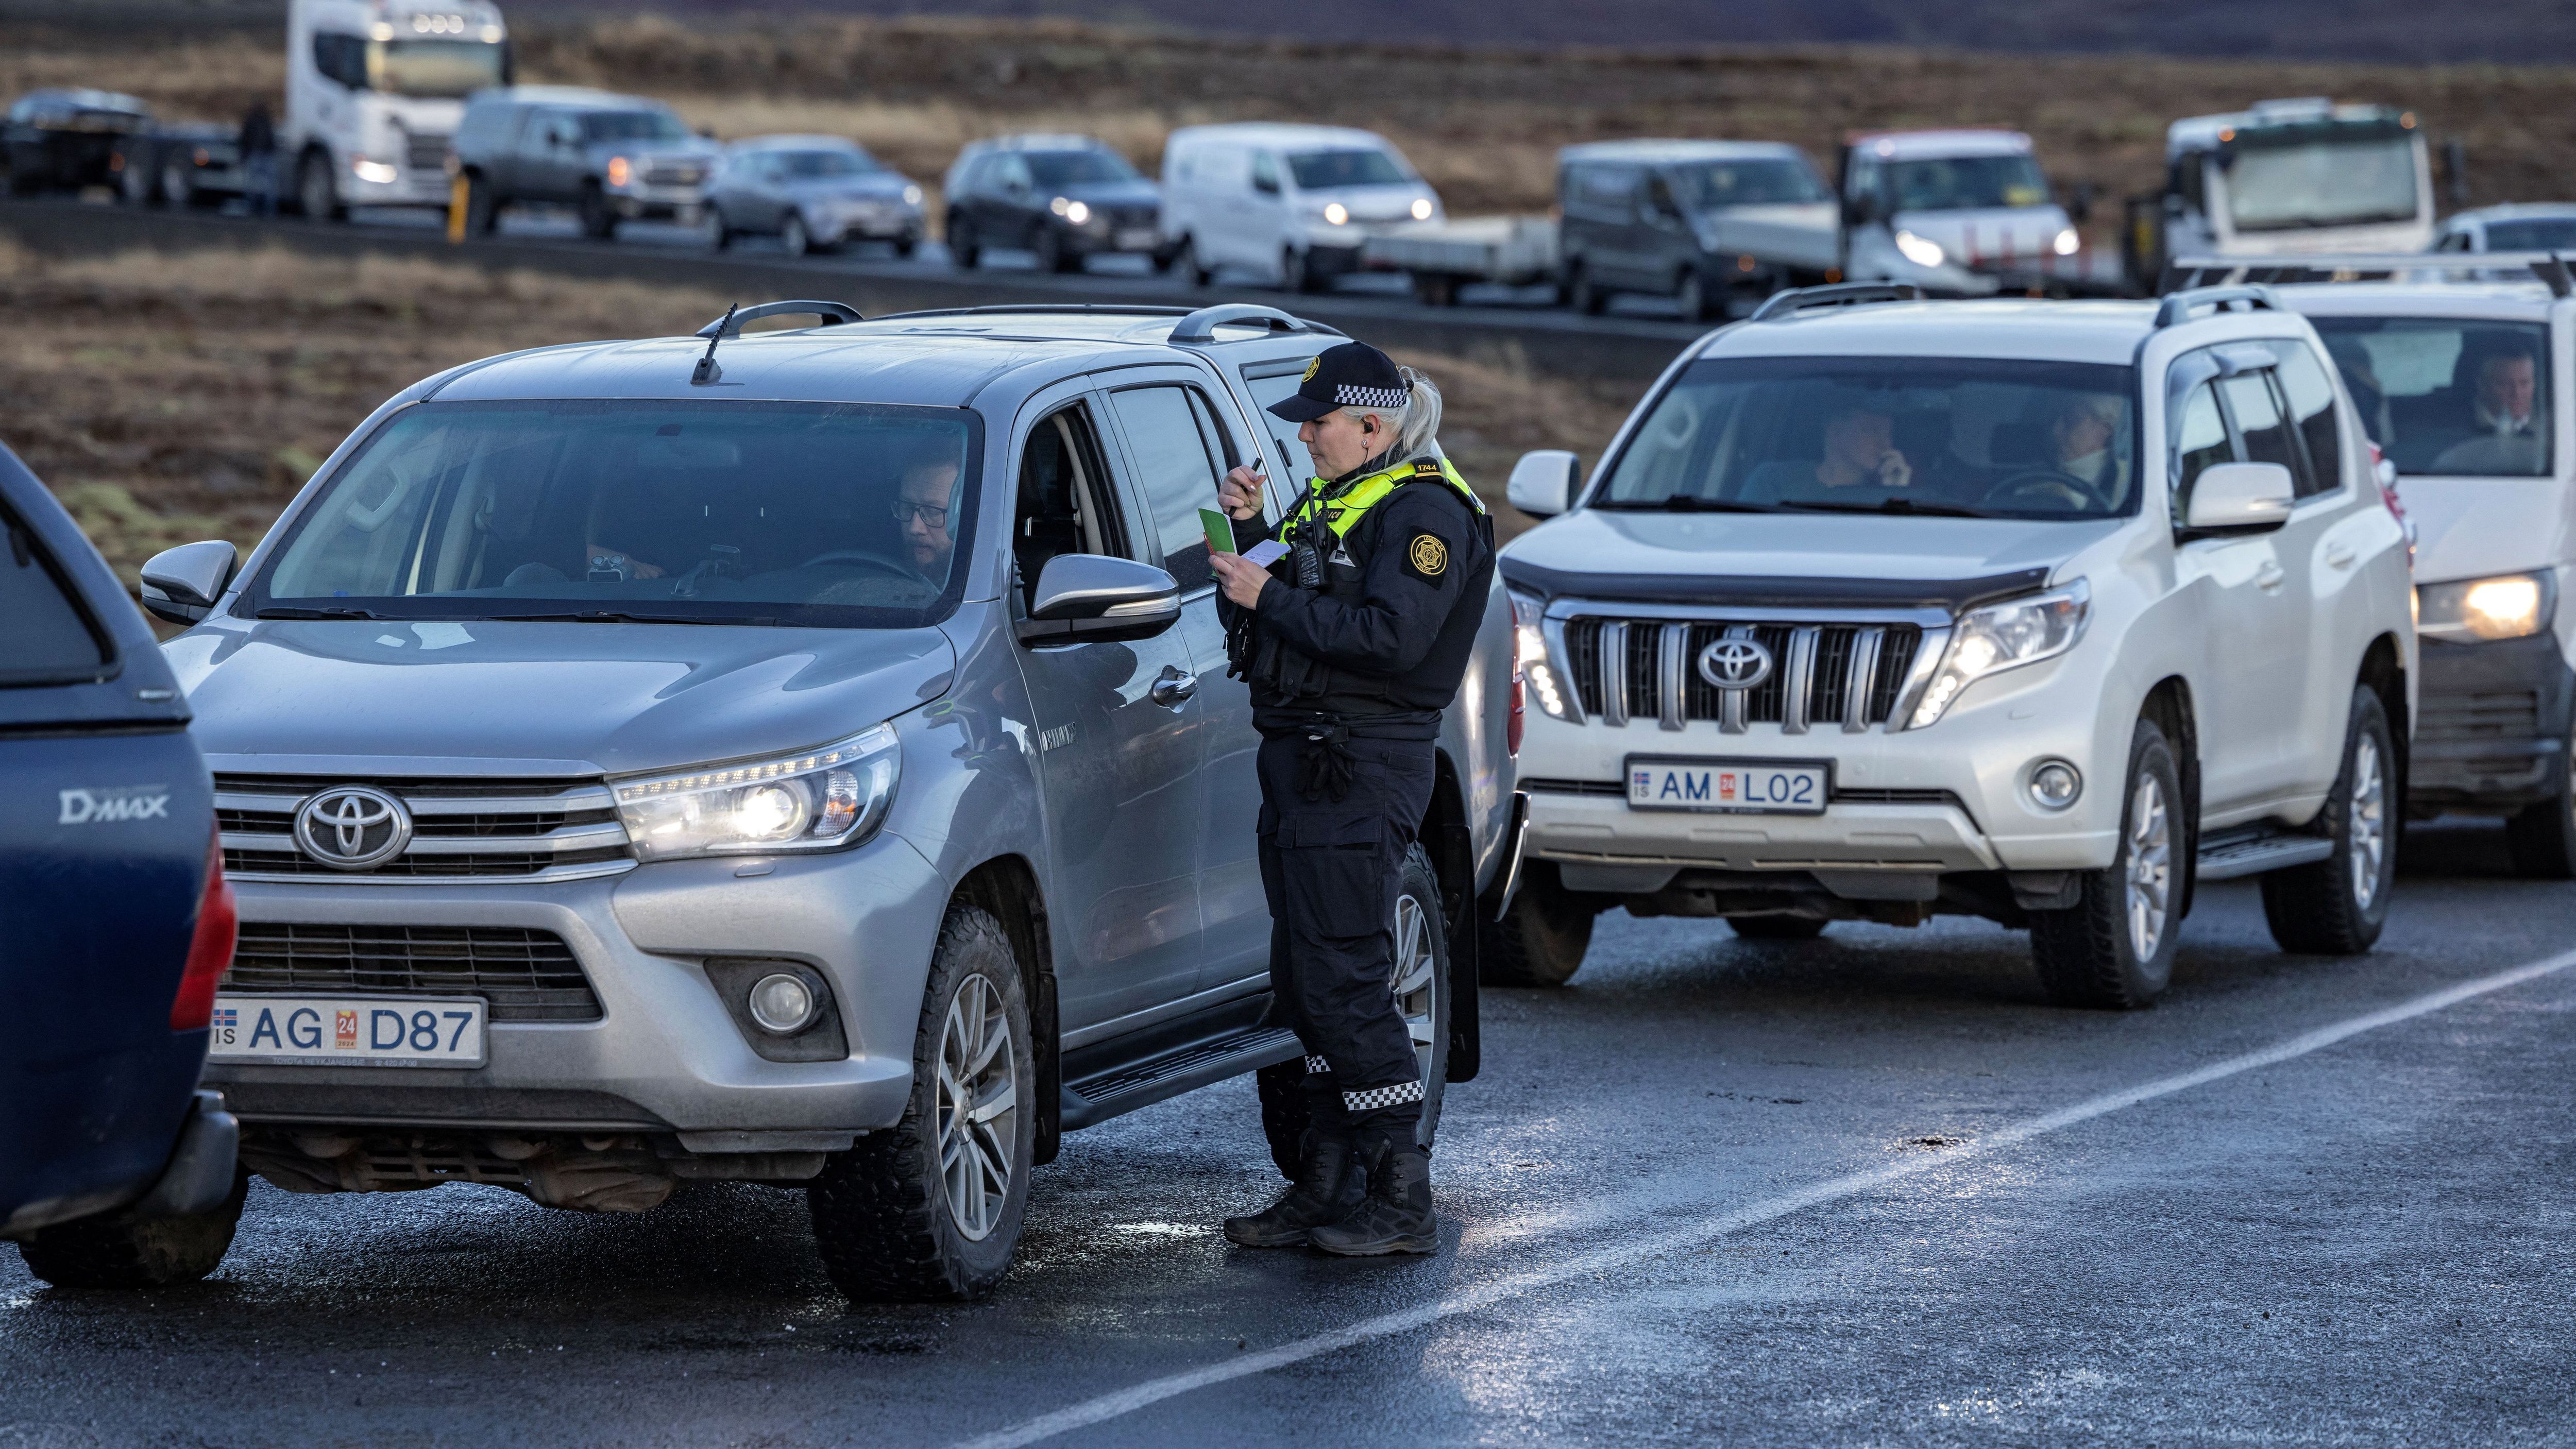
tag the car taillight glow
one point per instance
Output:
(210, 949)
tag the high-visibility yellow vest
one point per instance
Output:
(1342, 510)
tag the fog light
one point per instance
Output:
(2055, 784)
(782, 1004)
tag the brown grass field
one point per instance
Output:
(174, 397)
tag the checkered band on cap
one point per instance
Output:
(1377, 1098)
(1318, 1067)
(1352, 395)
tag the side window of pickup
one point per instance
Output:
(1179, 454)
(1066, 504)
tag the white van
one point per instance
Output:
(1960, 213)
(1292, 203)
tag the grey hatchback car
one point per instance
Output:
(799, 758)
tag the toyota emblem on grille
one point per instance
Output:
(352, 827)
(1735, 663)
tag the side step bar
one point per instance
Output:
(2237, 853)
(1094, 1100)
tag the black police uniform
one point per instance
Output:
(1351, 658)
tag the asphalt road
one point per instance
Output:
(1868, 1190)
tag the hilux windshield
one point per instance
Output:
(2448, 396)
(1913, 435)
(692, 512)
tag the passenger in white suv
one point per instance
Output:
(1879, 609)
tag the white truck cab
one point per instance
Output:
(1288, 202)
(2470, 388)
(1958, 213)
(2287, 178)
(1878, 609)
(374, 89)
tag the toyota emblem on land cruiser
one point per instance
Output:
(352, 827)
(1735, 663)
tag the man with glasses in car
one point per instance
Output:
(922, 506)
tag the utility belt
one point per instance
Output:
(1326, 765)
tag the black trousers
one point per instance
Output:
(1330, 868)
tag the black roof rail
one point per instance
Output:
(1119, 309)
(730, 324)
(2176, 308)
(1201, 325)
(1783, 305)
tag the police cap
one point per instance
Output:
(1352, 375)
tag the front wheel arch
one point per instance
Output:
(1006, 887)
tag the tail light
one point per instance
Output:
(210, 950)
(1520, 699)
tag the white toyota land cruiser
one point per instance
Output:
(1878, 609)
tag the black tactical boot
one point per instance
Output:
(1328, 1187)
(1397, 1216)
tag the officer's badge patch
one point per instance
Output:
(1312, 363)
(1427, 557)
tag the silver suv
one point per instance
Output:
(796, 757)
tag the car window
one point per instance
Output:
(1010, 173)
(2200, 442)
(2266, 434)
(2312, 410)
(1065, 502)
(1073, 168)
(45, 635)
(2532, 234)
(1265, 172)
(1607, 191)
(2448, 396)
(1177, 464)
(342, 59)
(633, 126)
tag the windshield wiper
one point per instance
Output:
(1890, 505)
(290, 611)
(620, 616)
(1687, 503)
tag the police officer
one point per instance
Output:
(1353, 643)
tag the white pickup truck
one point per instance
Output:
(1878, 609)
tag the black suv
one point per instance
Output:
(1061, 197)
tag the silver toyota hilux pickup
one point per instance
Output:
(803, 757)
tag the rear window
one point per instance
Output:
(46, 636)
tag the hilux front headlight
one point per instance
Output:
(2004, 636)
(2508, 606)
(826, 799)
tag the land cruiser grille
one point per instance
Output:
(1833, 675)
(424, 151)
(509, 828)
(527, 975)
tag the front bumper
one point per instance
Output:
(683, 204)
(2492, 725)
(666, 1056)
(415, 186)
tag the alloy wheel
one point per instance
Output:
(2369, 826)
(793, 237)
(2150, 868)
(1416, 966)
(978, 1103)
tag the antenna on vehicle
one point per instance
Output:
(707, 371)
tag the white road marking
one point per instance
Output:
(1483, 1296)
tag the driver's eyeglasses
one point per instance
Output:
(905, 510)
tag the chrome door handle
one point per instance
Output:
(2340, 555)
(1174, 685)
(2269, 578)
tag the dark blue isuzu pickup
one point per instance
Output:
(115, 926)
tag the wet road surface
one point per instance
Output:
(1868, 1190)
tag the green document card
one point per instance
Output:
(1220, 530)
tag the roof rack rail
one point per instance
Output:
(730, 324)
(1201, 325)
(1783, 305)
(2548, 266)
(2177, 307)
(1120, 309)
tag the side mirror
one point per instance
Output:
(1088, 597)
(2240, 498)
(181, 584)
(1860, 209)
(1543, 482)
(2079, 203)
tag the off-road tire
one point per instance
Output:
(1282, 1085)
(116, 1251)
(2318, 909)
(880, 1210)
(720, 231)
(597, 222)
(1582, 293)
(482, 207)
(2084, 953)
(1776, 928)
(1054, 256)
(1296, 272)
(964, 250)
(2541, 837)
(1186, 260)
(1542, 935)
